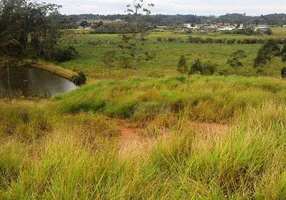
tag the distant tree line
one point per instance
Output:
(112, 28)
(250, 31)
(200, 40)
(72, 21)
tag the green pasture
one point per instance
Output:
(90, 58)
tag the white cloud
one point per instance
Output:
(199, 7)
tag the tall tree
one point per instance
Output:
(21, 18)
(131, 44)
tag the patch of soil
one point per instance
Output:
(133, 143)
(128, 133)
(210, 128)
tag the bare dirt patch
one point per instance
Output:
(132, 142)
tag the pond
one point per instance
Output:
(30, 82)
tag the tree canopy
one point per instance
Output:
(34, 25)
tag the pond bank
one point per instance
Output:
(47, 66)
(55, 69)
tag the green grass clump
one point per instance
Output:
(212, 99)
(76, 161)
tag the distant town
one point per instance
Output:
(229, 23)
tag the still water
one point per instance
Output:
(28, 81)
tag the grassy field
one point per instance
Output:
(167, 54)
(161, 136)
(198, 138)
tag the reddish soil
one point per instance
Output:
(132, 142)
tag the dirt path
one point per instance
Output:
(128, 133)
(133, 143)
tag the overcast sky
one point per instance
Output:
(199, 7)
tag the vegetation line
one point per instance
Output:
(55, 69)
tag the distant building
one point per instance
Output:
(226, 28)
(162, 27)
(191, 26)
(208, 29)
(241, 26)
(261, 27)
(83, 28)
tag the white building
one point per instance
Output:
(241, 26)
(261, 27)
(226, 28)
(189, 26)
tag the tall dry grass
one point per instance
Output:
(48, 152)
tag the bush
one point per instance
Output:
(269, 31)
(270, 49)
(203, 69)
(283, 53)
(231, 41)
(80, 79)
(159, 39)
(283, 72)
(209, 40)
(234, 62)
(171, 39)
(182, 65)
(62, 55)
(284, 57)
(218, 41)
(239, 54)
(109, 58)
(12, 48)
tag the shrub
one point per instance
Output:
(270, 49)
(196, 40)
(188, 31)
(283, 53)
(218, 41)
(203, 69)
(209, 41)
(284, 57)
(269, 31)
(231, 41)
(109, 58)
(62, 55)
(253, 41)
(234, 62)
(239, 54)
(182, 65)
(171, 39)
(12, 48)
(159, 39)
(283, 72)
(80, 79)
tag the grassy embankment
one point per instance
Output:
(90, 57)
(53, 68)
(70, 148)
(48, 66)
